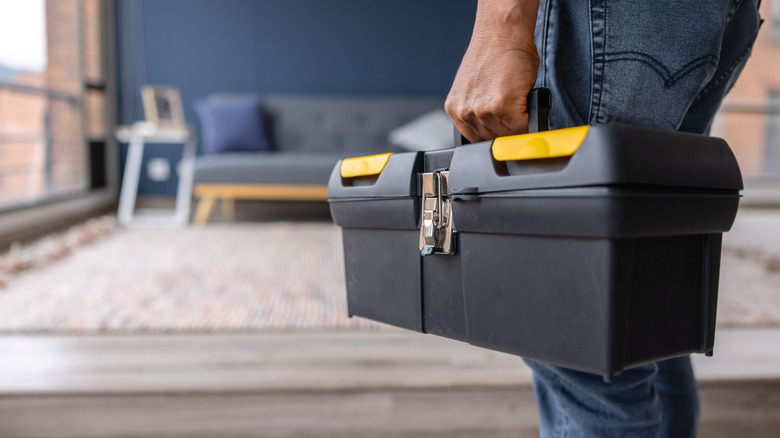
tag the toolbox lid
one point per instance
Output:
(600, 155)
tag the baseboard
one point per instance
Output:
(32, 222)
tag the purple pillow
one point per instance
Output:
(236, 125)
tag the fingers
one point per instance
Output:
(465, 130)
(488, 96)
(477, 123)
(482, 123)
(502, 125)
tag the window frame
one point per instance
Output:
(762, 192)
(772, 112)
(774, 11)
(22, 221)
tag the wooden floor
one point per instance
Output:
(361, 384)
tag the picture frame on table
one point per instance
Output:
(162, 106)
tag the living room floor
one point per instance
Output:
(147, 332)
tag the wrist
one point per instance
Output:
(507, 22)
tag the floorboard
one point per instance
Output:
(362, 384)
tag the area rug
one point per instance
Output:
(251, 277)
(277, 276)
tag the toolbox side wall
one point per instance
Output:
(383, 276)
(543, 298)
(665, 297)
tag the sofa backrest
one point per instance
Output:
(338, 123)
(312, 123)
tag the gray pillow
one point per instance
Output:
(431, 131)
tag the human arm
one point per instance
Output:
(488, 97)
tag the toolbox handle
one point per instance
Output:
(363, 166)
(539, 103)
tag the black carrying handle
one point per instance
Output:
(539, 103)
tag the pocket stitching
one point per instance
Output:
(670, 79)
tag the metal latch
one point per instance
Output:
(436, 227)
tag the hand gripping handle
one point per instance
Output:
(539, 103)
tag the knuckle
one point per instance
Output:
(465, 114)
(455, 109)
(489, 110)
(482, 112)
(496, 108)
(449, 104)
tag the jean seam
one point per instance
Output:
(591, 93)
(563, 423)
(733, 10)
(726, 74)
(597, 52)
(545, 41)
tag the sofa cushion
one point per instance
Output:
(273, 168)
(237, 125)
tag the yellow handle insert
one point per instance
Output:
(364, 166)
(547, 144)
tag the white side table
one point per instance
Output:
(137, 136)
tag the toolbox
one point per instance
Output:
(596, 248)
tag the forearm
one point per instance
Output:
(488, 97)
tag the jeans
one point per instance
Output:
(664, 64)
(653, 400)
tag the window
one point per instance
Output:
(52, 103)
(749, 118)
(772, 146)
(775, 20)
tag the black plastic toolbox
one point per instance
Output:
(595, 248)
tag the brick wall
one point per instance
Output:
(63, 73)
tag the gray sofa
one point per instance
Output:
(309, 135)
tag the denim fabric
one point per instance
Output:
(660, 63)
(653, 400)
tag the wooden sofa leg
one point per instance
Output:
(228, 208)
(205, 206)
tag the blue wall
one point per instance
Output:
(352, 47)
